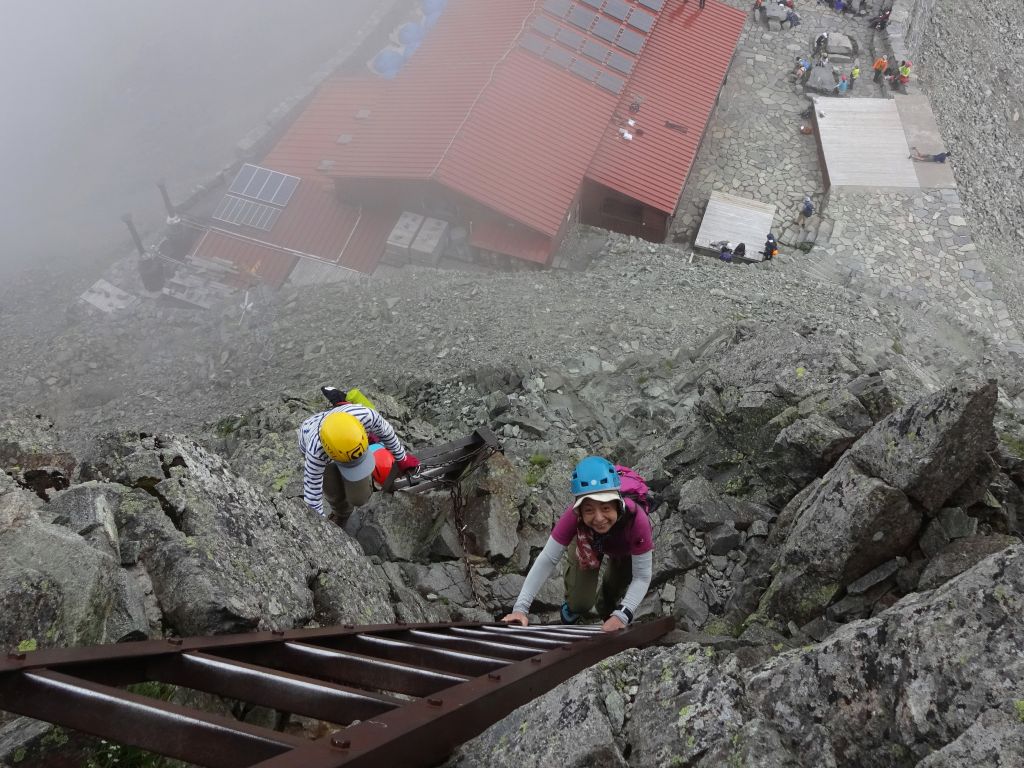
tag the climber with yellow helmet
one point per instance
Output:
(338, 462)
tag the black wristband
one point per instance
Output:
(628, 613)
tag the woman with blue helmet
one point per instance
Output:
(608, 527)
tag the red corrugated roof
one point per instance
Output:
(418, 114)
(526, 147)
(494, 233)
(481, 115)
(266, 263)
(313, 137)
(679, 76)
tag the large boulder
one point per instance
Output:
(88, 510)
(848, 525)
(673, 551)
(879, 693)
(55, 588)
(222, 556)
(957, 556)
(870, 507)
(808, 447)
(764, 374)
(573, 726)
(995, 740)
(31, 451)
(931, 448)
(492, 498)
(401, 526)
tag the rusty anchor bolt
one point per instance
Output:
(340, 742)
(175, 640)
(493, 676)
(277, 632)
(16, 656)
(435, 702)
(535, 659)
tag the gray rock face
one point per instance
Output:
(808, 447)
(448, 581)
(223, 557)
(880, 693)
(722, 540)
(673, 553)
(572, 726)
(848, 525)
(55, 588)
(994, 740)
(88, 510)
(930, 448)
(958, 556)
(702, 508)
(31, 452)
(869, 508)
(399, 527)
(493, 497)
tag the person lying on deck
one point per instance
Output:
(924, 158)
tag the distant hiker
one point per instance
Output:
(880, 65)
(939, 157)
(608, 519)
(899, 77)
(792, 17)
(771, 248)
(862, 9)
(758, 6)
(337, 463)
(842, 86)
(740, 251)
(821, 43)
(881, 20)
(854, 73)
(838, 6)
(802, 66)
(806, 211)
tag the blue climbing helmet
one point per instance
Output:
(593, 475)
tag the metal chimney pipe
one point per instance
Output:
(172, 212)
(127, 219)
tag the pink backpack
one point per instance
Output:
(634, 490)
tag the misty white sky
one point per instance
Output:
(103, 97)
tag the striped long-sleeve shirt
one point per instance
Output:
(316, 460)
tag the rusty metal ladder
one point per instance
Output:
(444, 465)
(401, 694)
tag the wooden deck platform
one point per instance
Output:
(863, 144)
(736, 220)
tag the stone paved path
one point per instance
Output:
(914, 245)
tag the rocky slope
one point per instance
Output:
(819, 519)
(839, 480)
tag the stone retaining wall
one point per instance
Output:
(908, 25)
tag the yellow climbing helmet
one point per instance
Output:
(343, 436)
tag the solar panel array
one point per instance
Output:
(256, 197)
(597, 40)
(246, 213)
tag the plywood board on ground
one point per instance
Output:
(921, 130)
(313, 272)
(863, 143)
(736, 220)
